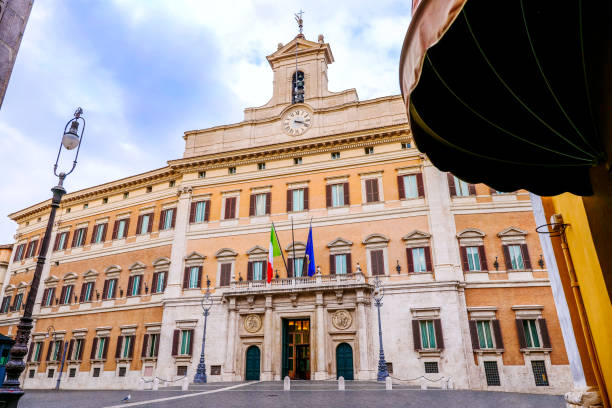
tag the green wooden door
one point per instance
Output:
(344, 361)
(253, 363)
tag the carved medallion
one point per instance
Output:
(252, 323)
(342, 320)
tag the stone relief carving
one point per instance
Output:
(342, 320)
(252, 323)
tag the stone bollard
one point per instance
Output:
(141, 384)
(444, 384)
(155, 384)
(388, 383)
(341, 386)
(185, 384)
(287, 383)
(423, 385)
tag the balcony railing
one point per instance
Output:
(305, 282)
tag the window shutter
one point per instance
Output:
(349, 267)
(472, 189)
(192, 212)
(162, 219)
(191, 342)
(92, 355)
(207, 211)
(139, 284)
(544, 333)
(227, 205)
(428, 264)
(526, 260)
(157, 347)
(44, 298)
(420, 185)
(250, 271)
(306, 198)
(70, 347)
(409, 260)
(150, 226)
(451, 184)
(74, 237)
(131, 348)
(30, 349)
(82, 295)
(483, 258)
(62, 294)
(104, 231)
(507, 257)
(49, 350)
(464, 259)
(154, 282)
(29, 248)
(439, 336)
(400, 187)
(105, 351)
(520, 330)
(332, 264)
(93, 233)
(130, 285)
(40, 353)
(347, 200)
(290, 268)
(145, 343)
(375, 194)
(328, 196)
(175, 342)
(127, 227)
(186, 278)
(114, 289)
(376, 259)
(199, 277)
(289, 200)
(226, 270)
(252, 205)
(105, 290)
(139, 225)
(52, 294)
(173, 222)
(369, 191)
(61, 349)
(474, 334)
(56, 244)
(499, 341)
(80, 356)
(115, 229)
(416, 334)
(165, 280)
(268, 203)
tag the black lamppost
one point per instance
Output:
(10, 392)
(378, 294)
(207, 302)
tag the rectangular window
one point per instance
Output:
(297, 199)
(516, 257)
(122, 371)
(51, 373)
(78, 348)
(57, 348)
(461, 188)
(411, 189)
(37, 351)
(32, 248)
(194, 274)
(485, 339)
(160, 282)
(428, 336)
(66, 293)
(260, 204)
(371, 186)
(79, 237)
(202, 174)
(88, 291)
(230, 208)
(185, 342)
(258, 268)
(539, 373)
(337, 195)
(99, 232)
(340, 261)
(405, 145)
(418, 257)
(181, 370)
(101, 343)
(19, 252)
(48, 297)
(152, 345)
(531, 334)
(226, 271)
(96, 372)
(369, 150)
(335, 155)
(297, 160)
(121, 229)
(31, 373)
(109, 293)
(18, 301)
(200, 211)
(135, 285)
(6, 302)
(144, 224)
(125, 348)
(431, 367)
(261, 166)
(492, 373)
(377, 262)
(231, 170)
(298, 264)
(168, 216)
(473, 258)
(61, 241)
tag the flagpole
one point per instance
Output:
(281, 248)
(293, 246)
(304, 263)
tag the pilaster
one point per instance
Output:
(229, 372)
(321, 373)
(364, 372)
(179, 241)
(269, 337)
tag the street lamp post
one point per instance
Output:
(10, 392)
(379, 293)
(207, 302)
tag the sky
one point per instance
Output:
(146, 71)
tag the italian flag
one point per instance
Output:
(273, 251)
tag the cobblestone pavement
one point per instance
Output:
(302, 394)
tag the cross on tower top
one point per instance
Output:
(299, 20)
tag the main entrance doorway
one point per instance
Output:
(344, 361)
(253, 363)
(296, 349)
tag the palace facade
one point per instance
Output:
(467, 300)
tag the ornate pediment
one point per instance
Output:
(416, 234)
(339, 242)
(512, 232)
(226, 253)
(51, 279)
(471, 233)
(69, 276)
(195, 256)
(113, 270)
(375, 239)
(304, 47)
(298, 245)
(136, 266)
(257, 250)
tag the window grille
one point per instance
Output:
(122, 371)
(431, 367)
(215, 370)
(31, 373)
(51, 373)
(72, 372)
(96, 372)
(539, 373)
(389, 367)
(181, 370)
(492, 373)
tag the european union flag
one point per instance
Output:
(310, 254)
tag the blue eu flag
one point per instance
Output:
(310, 254)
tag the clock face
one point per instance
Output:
(296, 122)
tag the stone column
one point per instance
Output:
(362, 330)
(441, 225)
(45, 273)
(321, 373)
(229, 371)
(179, 241)
(269, 337)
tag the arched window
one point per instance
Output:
(297, 91)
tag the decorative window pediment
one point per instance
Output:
(376, 239)
(9, 289)
(70, 276)
(52, 280)
(226, 253)
(339, 246)
(90, 275)
(417, 238)
(512, 235)
(257, 253)
(161, 264)
(298, 248)
(22, 285)
(112, 270)
(471, 237)
(138, 267)
(194, 259)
